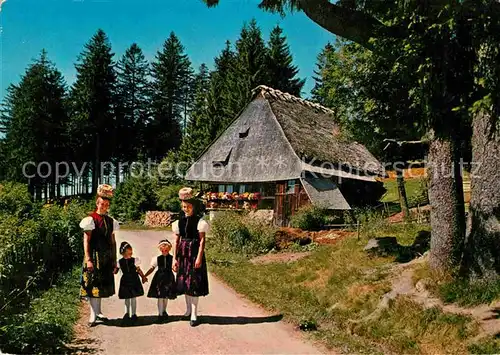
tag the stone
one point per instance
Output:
(382, 245)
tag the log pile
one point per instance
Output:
(156, 219)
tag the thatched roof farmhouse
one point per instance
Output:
(284, 145)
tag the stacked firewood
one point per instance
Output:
(158, 219)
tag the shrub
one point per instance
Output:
(15, 199)
(134, 197)
(48, 324)
(168, 198)
(309, 217)
(234, 232)
(33, 252)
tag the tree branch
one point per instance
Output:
(354, 25)
(344, 21)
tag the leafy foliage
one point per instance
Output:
(234, 232)
(134, 197)
(168, 198)
(309, 217)
(48, 323)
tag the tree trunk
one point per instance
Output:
(96, 169)
(117, 172)
(447, 205)
(482, 251)
(403, 201)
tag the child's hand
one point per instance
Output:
(115, 270)
(174, 266)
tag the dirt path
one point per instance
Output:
(229, 323)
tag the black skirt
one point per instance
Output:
(130, 282)
(191, 281)
(163, 285)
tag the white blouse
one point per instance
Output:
(154, 262)
(87, 224)
(203, 226)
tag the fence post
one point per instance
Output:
(358, 228)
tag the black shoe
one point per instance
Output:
(91, 324)
(102, 319)
(165, 315)
(186, 317)
(126, 317)
(159, 319)
(134, 318)
(194, 323)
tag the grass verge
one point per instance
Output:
(48, 323)
(338, 288)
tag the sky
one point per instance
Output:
(62, 27)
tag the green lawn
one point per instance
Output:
(415, 192)
(338, 287)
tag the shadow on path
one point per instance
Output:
(216, 320)
(224, 320)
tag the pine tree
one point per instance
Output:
(249, 69)
(133, 92)
(282, 73)
(198, 136)
(321, 87)
(93, 103)
(219, 91)
(34, 119)
(171, 79)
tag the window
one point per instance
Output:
(242, 189)
(222, 188)
(244, 131)
(222, 157)
(229, 188)
(290, 188)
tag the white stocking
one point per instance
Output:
(99, 310)
(194, 303)
(133, 305)
(160, 306)
(94, 308)
(165, 304)
(127, 306)
(188, 306)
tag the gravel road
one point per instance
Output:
(230, 324)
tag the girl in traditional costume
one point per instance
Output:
(130, 284)
(163, 284)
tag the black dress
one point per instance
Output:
(130, 283)
(163, 284)
(101, 281)
(190, 281)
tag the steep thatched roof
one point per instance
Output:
(277, 137)
(313, 133)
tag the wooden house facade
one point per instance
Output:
(291, 152)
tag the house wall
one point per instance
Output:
(288, 200)
(284, 197)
